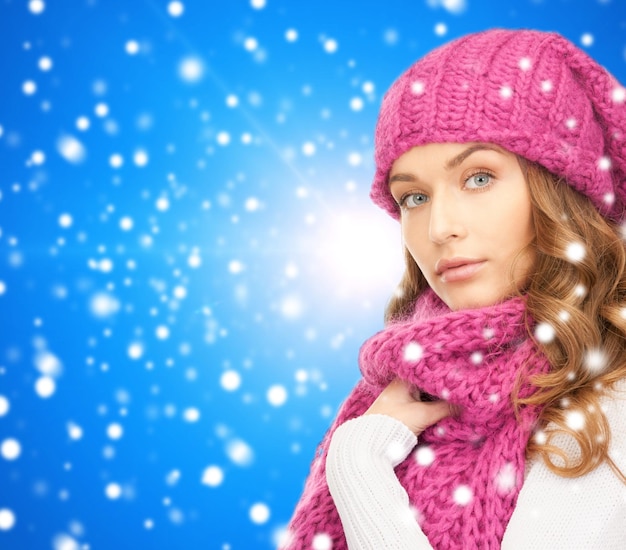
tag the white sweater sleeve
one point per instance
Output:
(373, 506)
(552, 512)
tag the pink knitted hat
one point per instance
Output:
(531, 92)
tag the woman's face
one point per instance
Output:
(466, 216)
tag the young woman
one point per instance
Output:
(492, 408)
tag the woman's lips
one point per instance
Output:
(458, 270)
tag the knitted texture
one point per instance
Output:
(465, 475)
(533, 93)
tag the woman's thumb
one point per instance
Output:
(434, 411)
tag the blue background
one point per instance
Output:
(200, 305)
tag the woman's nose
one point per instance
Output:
(445, 219)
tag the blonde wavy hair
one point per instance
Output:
(584, 301)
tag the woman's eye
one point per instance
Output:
(478, 180)
(412, 200)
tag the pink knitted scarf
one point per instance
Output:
(466, 472)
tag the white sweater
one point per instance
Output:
(552, 512)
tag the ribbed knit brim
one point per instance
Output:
(531, 92)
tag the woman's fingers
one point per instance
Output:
(401, 401)
(435, 411)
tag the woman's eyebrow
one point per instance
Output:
(456, 161)
(403, 176)
(450, 164)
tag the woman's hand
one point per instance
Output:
(400, 401)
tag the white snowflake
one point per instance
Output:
(545, 333)
(140, 158)
(506, 478)
(540, 437)
(115, 431)
(604, 163)
(413, 352)
(175, 9)
(113, 491)
(586, 39)
(453, 6)
(131, 47)
(10, 449)
(441, 29)
(7, 519)
(322, 541)
(308, 149)
(36, 7)
(618, 95)
(277, 395)
(424, 455)
(417, 87)
(575, 420)
(259, 513)
(595, 360)
(356, 104)
(191, 69)
(240, 452)
(463, 495)
(212, 476)
(230, 380)
(580, 291)
(4, 405)
(546, 85)
(45, 386)
(506, 92)
(331, 45)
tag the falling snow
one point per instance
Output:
(575, 252)
(10, 449)
(322, 541)
(191, 69)
(74, 431)
(184, 230)
(213, 476)
(424, 455)
(7, 519)
(4, 405)
(45, 387)
(113, 491)
(70, 148)
(259, 513)
(546, 86)
(413, 352)
(595, 360)
(586, 39)
(240, 453)
(575, 420)
(417, 87)
(277, 395)
(506, 92)
(463, 495)
(545, 333)
(619, 95)
(506, 478)
(230, 380)
(175, 9)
